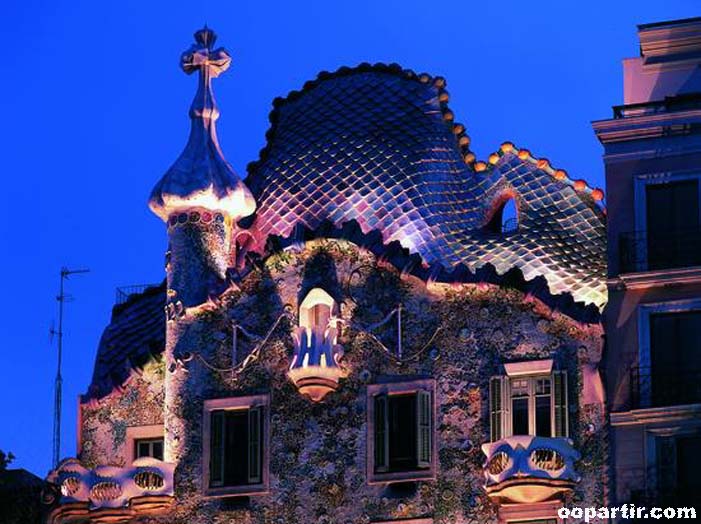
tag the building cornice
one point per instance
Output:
(645, 126)
(652, 279)
(666, 414)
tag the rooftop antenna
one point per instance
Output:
(58, 386)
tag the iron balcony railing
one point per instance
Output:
(651, 388)
(650, 251)
(123, 293)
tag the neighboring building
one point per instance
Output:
(364, 335)
(20, 497)
(653, 318)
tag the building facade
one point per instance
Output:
(653, 317)
(360, 332)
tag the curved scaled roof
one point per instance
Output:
(377, 144)
(136, 334)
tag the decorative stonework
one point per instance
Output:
(318, 452)
(112, 487)
(528, 469)
(201, 176)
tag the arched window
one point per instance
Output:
(504, 218)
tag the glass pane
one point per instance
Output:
(519, 409)
(675, 357)
(236, 445)
(143, 449)
(673, 224)
(158, 450)
(519, 388)
(402, 432)
(542, 416)
(542, 386)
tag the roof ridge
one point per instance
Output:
(592, 196)
(438, 82)
(585, 191)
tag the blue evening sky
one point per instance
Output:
(94, 110)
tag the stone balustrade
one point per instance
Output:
(111, 486)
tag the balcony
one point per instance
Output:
(528, 469)
(648, 251)
(654, 389)
(109, 493)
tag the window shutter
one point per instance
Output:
(498, 407)
(423, 429)
(255, 445)
(216, 449)
(560, 408)
(381, 434)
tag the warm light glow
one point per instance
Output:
(597, 194)
(316, 344)
(235, 203)
(507, 147)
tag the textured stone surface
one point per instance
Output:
(317, 461)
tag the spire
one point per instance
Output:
(201, 176)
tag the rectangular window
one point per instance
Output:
(672, 217)
(675, 357)
(236, 447)
(531, 406)
(535, 405)
(401, 431)
(235, 452)
(677, 459)
(152, 447)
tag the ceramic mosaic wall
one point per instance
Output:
(458, 335)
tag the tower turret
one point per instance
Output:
(200, 197)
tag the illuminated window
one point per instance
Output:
(529, 401)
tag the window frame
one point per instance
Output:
(650, 448)
(532, 396)
(653, 179)
(408, 387)
(236, 404)
(640, 183)
(532, 371)
(150, 432)
(645, 311)
(151, 442)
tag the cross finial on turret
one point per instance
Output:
(210, 63)
(201, 55)
(201, 177)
